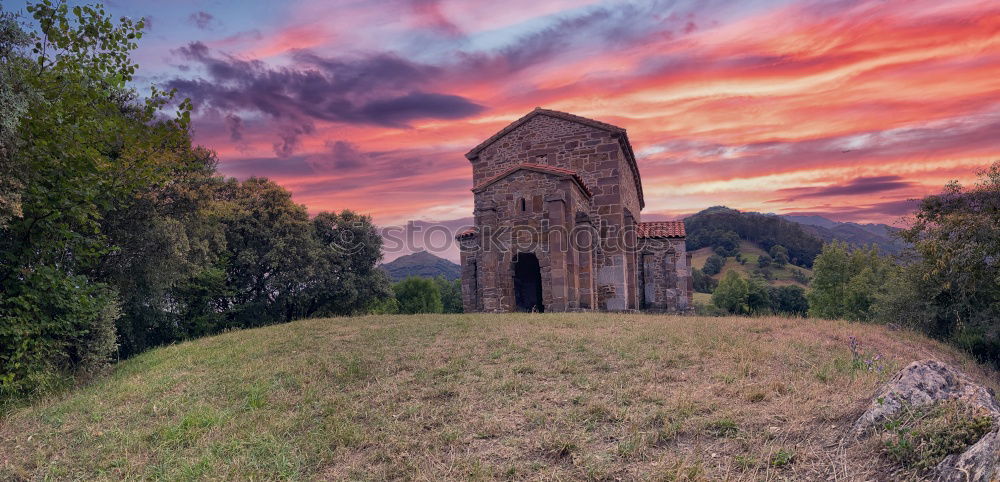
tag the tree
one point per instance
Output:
(846, 282)
(347, 280)
(418, 295)
(789, 300)
(758, 299)
(451, 294)
(74, 142)
(713, 265)
(950, 287)
(272, 253)
(763, 260)
(731, 294)
(16, 97)
(702, 283)
(779, 255)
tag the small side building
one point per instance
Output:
(557, 224)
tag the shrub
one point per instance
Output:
(919, 438)
(55, 325)
(763, 261)
(713, 265)
(731, 294)
(451, 294)
(789, 300)
(702, 283)
(418, 295)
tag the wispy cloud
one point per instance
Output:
(847, 109)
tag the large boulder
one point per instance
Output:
(929, 381)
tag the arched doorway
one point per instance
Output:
(527, 283)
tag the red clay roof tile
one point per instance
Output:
(661, 229)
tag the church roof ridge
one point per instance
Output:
(620, 132)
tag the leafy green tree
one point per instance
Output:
(168, 245)
(789, 300)
(713, 265)
(16, 97)
(451, 294)
(272, 253)
(950, 287)
(418, 295)
(758, 300)
(347, 280)
(779, 255)
(731, 294)
(846, 282)
(702, 283)
(763, 260)
(75, 143)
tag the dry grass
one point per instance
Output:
(554, 396)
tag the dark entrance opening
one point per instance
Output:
(527, 283)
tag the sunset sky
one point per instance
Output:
(845, 108)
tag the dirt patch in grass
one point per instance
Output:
(564, 396)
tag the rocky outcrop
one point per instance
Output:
(929, 381)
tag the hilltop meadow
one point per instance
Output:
(555, 396)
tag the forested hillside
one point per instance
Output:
(722, 227)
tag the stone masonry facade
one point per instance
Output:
(557, 228)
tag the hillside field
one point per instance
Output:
(431, 397)
(750, 252)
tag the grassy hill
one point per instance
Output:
(566, 396)
(750, 252)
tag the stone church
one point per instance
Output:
(557, 224)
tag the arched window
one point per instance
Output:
(523, 205)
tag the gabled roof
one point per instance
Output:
(661, 229)
(617, 131)
(555, 171)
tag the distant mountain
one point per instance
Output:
(855, 234)
(422, 264)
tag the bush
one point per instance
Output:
(702, 283)
(731, 294)
(55, 325)
(418, 295)
(789, 300)
(451, 294)
(713, 265)
(763, 261)
(847, 281)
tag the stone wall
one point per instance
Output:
(665, 278)
(597, 157)
(605, 275)
(541, 225)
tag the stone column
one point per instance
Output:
(470, 275)
(488, 261)
(584, 239)
(557, 245)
